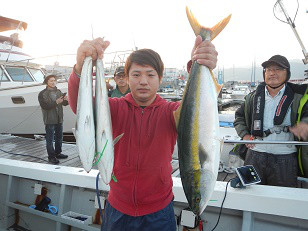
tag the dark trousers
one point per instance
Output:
(273, 169)
(53, 132)
(163, 220)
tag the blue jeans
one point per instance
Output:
(53, 132)
(162, 220)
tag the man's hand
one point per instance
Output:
(108, 86)
(249, 137)
(204, 53)
(300, 130)
(60, 100)
(94, 48)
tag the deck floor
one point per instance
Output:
(12, 145)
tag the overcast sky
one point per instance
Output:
(58, 27)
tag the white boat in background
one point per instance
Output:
(20, 83)
(239, 92)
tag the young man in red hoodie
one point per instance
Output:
(141, 199)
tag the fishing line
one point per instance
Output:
(225, 177)
(50, 56)
(222, 204)
(274, 8)
(22, 120)
(100, 154)
(98, 199)
(11, 153)
(14, 40)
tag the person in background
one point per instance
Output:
(142, 196)
(52, 101)
(271, 113)
(121, 81)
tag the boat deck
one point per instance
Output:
(31, 150)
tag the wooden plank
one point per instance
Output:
(27, 146)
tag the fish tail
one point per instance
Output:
(219, 26)
(217, 86)
(198, 28)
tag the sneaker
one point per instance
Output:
(53, 160)
(61, 156)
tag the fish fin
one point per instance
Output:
(176, 115)
(219, 26)
(217, 86)
(202, 155)
(117, 139)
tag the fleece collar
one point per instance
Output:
(157, 102)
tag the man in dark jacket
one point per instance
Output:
(121, 81)
(267, 114)
(52, 101)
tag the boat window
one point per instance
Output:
(38, 74)
(19, 74)
(3, 77)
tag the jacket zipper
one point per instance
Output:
(135, 189)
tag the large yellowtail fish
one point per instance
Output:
(197, 119)
(104, 139)
(85, 126)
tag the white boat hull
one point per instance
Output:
(27, 118)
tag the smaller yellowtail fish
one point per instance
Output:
(197, 120)
(85, 128)
(104, 139)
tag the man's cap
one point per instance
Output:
(279, 60)
(119, 70)
(48, 77)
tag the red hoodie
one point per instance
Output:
(142, 163)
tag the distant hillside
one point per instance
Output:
(244, 73)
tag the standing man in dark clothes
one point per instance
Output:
(52, 101)
(121, 81)
(272, 113)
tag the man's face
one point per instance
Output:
(52, 82)
(121, 80)
(143, 82)
(275, 75)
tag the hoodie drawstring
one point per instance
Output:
(130, 135)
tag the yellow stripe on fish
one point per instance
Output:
(195, 134)
(198, 127)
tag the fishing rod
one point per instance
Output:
(292, 25)
(265, 142)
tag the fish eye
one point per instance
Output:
(198, 199)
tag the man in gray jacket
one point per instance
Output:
(271, 113)
(52, 101)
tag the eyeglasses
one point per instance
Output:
(274, 69)
(120, 76)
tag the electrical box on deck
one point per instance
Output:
(188, 219)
